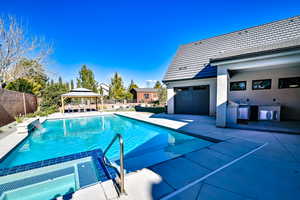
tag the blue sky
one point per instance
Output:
(135, 38)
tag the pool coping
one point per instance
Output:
(142, 120)
(22, 132)
(210, 139)
(43, 119)
(48, 162)
(22, 136)
(19, 138)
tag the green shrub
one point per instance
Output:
(150, 109)
(30, 115)
(45, 111)
(19, 119)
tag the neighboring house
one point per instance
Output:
(105, 88)
(144, 95)
(257, 69)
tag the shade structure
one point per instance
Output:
(79, 93)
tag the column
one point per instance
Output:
(222, 96)
(170, 100)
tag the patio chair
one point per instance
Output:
(81, 108)
(69, 108)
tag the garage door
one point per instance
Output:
(192, 100)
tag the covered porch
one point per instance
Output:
(260, 91)
(80, 100)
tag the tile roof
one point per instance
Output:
(145, 89)
(193, 60)
(291, 44)
(81, 90)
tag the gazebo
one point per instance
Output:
(80, 93)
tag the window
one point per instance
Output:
(261, 84)
(237, 86)
(289, 82)
(146, 96)
(181, 89)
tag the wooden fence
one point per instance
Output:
(15, 103)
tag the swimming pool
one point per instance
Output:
(145, 144)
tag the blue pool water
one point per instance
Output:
(68, 136)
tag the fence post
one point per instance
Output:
(24, 104)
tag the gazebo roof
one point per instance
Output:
(81, 92)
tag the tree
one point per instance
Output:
(162, 95)
(34, 75)
(68, 85)
(86, 79)
(52, 95)
(72, 84)
(132, 85)
(20, 85)
(157, 85)
(60, 82)
(117, 90)
(15, 46)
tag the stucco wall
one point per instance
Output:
(289, 98)
(212, 82)
(11, 105)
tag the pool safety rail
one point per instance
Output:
(120, 171)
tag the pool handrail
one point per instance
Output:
(121, 171)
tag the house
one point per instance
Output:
(105, 88)
(144, 95)
(250, 74)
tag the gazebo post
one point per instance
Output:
(62, 104)
(96, 104)
(101, 103)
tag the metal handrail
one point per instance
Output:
(121, 171)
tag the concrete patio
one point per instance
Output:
(274, 126)
(272, 172)
(244, 164)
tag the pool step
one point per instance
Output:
(86, 174)
(14, 185)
